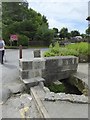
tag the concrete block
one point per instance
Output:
(27, 65)
(20, 63)
(37, 53)
(50, 68)
(70, 61)
(51, 77)
(51, 71)
(24, 74)
(73, 60)
(65, 61)
(65, 67)
(59, 69)
(74, 67)
(37, 73)
(31, 74)
(60, 62)
(63, 75)
(76, 60)
(38, 64)
(44, 73)
(51, 63)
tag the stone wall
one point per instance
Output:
(49, 68)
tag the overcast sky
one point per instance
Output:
(63, 13)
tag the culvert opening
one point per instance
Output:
(62, 86)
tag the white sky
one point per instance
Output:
(63, 13)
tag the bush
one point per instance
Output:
(56, 50)
(23, 40)
(78, 49)
(82, 47)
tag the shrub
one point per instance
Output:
(56, 50)
(82, 47)
(80, 50)
(23, 40)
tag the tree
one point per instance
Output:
(88, 31)
(17, 18)
(75, 33)
(63, 33)
(83, 35)
(14, 11)
(44, 19)
(44, 34)
(55, 32)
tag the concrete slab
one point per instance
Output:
(59, 109)
(62, 109)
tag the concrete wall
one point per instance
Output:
(49, 68)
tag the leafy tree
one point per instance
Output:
(14, 11)
(88, 31)
(17, 18)
(64, 33)
(44, 19)
(75, 33)
(83, 35)
(44, 34)
(55, 32)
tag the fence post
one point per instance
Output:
(20, 52)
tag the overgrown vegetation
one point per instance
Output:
(56, 88)
(77, 49)
(65, 87)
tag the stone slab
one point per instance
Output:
(61, 109)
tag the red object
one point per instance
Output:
(14, 37)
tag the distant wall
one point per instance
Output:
(49, 68)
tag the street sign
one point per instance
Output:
(13, 37)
